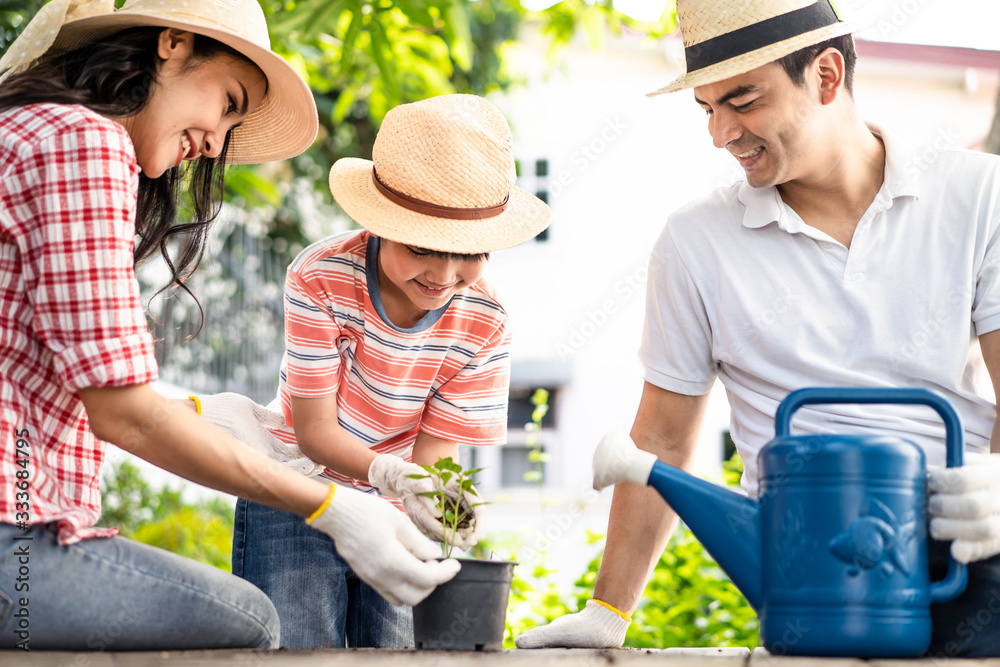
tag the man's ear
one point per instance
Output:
(830, 70)
(174, 43)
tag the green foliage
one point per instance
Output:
(159, 517)
(732, 470)
(363, 57)
(452, 493)
(129, 502)
(690, 601)
(536, 453)
(197, 532)
(597, 18)
(14, 15)
(533, 601)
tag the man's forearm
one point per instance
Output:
(666, 424)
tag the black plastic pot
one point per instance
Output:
(467, 613)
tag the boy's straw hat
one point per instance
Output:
(442, 178)
(725, 38)
(282, 126)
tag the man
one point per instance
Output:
(840, 262)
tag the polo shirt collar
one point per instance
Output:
(762, 206)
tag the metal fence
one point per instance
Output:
(241, 341)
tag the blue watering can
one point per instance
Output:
(834, 555)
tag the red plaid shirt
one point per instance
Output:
(70, 315)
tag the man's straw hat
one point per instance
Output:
(442, 178)
(282, 126)
(725, 38)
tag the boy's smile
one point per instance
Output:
(414, 281)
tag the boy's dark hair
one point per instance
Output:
(438, 254)
(795, 64)
(113, 76)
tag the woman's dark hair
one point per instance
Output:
(795, 64)
(114, 76)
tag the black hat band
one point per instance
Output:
(752, 37)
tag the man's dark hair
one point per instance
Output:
(795, 64)
(114, 76)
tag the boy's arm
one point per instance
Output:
(324, 440)
(428, 449)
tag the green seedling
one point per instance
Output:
(451, 495)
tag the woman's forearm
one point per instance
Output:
(171, 436)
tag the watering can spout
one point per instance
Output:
(726, 523)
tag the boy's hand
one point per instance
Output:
(964, 506)
(249, 423)
(390, 475)
(384, 549)
(469, 536)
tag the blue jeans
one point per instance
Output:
(320, 601)
(969, 625)
(119, 595)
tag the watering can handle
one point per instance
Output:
(954, 582)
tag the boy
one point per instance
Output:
(396, 352)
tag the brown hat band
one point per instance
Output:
(427, 208)
(758, 35)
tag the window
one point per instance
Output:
(537, 182)
(516, 465)
(728, 446)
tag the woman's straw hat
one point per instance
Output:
(442, 178)
(725, 38)
(282, 126)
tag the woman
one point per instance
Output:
(98, 111)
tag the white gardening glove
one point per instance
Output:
(248, 422)
(596, 626)
(383, 548)
(964, 506)
(391, 476)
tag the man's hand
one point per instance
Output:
(249, 423)
(596, 626)
(384, 549)
(964, 506)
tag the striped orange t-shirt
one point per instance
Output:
(448, 376)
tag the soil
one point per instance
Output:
(451, 505)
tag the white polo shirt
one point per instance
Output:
(741, 288)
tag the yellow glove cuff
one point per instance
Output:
(627, 617)
(326, 503)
